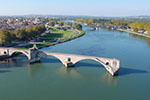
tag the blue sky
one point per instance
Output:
(76, 7)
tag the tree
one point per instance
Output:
(12, 35)
(135, 29)
(90, 21)
(21, 34)
(52, 23)
(78, 26)
(61, 24)
(30, 33)
(5, 37)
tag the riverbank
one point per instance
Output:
(76, 34)
(139, 34)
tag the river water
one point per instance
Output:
(88, 80)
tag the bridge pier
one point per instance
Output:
(34, 60)
(34, 55)
(68, 64)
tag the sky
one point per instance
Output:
(112, 8)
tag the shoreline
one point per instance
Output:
(139, 34)
(69, 39)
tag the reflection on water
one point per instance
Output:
(19, 61)
(109, 79)
(4, 71)
(141, 37)
(34, 70)
(74, 73)
(71, 72)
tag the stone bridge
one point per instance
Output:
(33, 55)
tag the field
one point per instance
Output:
(58, 34)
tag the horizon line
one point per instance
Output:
(71, 15)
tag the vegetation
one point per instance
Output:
(52, 23)
(61, 24)
(92, 21)
(7, 36)
(56, 34)
(87, 21)
(136, 26)
(54, 30)
(76, 36)
(40, 45)
(78, 26)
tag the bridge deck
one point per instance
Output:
(76, 55)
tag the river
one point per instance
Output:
(88, 80)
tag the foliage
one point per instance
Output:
(30, 32)
(52, 23)
(91, 21)
(78, 26)
(140, 26)
(61, 24)
(7, 36)
(21, 34)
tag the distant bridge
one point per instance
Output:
(34, 55)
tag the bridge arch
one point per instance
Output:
(106, 63)
(20, 51)
(102, 63)
(91, 60)
(57, 57)
(94, 59)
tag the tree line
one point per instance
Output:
(136, 26)
(22, 34)
(61, 24)
(91, 21)
(118, 23)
